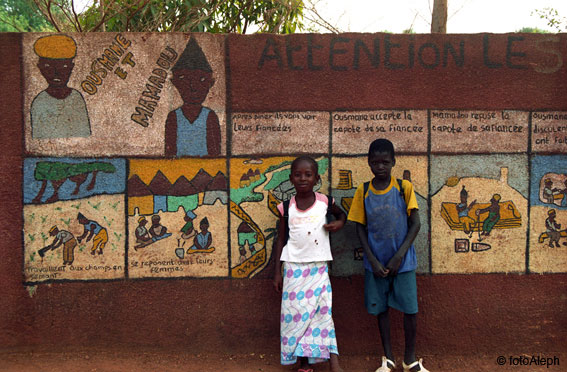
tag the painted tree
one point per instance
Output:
(57, 173)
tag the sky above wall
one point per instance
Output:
(465, 16)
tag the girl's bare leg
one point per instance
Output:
(334, 361)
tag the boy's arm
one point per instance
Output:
(340, 216)
(377, 267)
(278, 280)
(414, 224)
(171, 135)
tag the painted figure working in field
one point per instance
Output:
(93, 229)
(59, 111)
(65, 238)
(192, 129)
(493, 215)
(463, 208)
(553, 228)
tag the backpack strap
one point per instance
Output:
(329, 214)
(365, 186)
(286, 219)
(402, 190)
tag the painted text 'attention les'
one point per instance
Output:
(343, 54)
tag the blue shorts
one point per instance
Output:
(398, 292)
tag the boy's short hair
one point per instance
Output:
(382, 145)
(307, 159)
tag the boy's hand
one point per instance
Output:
(394, 264)
(379, 269)
(278, 282)
(334, 226)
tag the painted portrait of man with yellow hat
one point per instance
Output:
(59, 111)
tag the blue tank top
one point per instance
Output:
(192, 137)
(94, 227)
(387, 222)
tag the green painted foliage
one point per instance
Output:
(54, 171)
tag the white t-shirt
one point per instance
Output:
(308, 241)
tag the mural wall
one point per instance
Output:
(165, 155)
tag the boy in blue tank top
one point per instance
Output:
(387, 222)
(192, 129)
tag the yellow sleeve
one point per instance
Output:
(409, 196)
(357, 212)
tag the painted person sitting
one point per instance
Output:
(204, 239)
(157, 230)
(463, 209)
(493, 215)
(142, 233)
(553, 228)
(187, 231)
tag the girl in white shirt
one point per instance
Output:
(307, 328)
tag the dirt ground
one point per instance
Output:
(164, 361)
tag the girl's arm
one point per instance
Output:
(377, 267)
(340, 216)
(414, 224)
(278, 279)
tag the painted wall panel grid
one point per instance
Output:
(164, 155)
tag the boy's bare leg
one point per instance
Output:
(384, 326)
(335, 366)
(410, 332)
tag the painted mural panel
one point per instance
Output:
(280, 133)
(549, 132)
(85, 94)
(347, 174)
(74, 219)
(479, 213)
(177, 218)
(257, 186)
(548, 214)
(479, 131)
(354, 131)
(132, 172)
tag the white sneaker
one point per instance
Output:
(384, 367)
(419, 362)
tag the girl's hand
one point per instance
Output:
(334, 226)
(278, 282)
